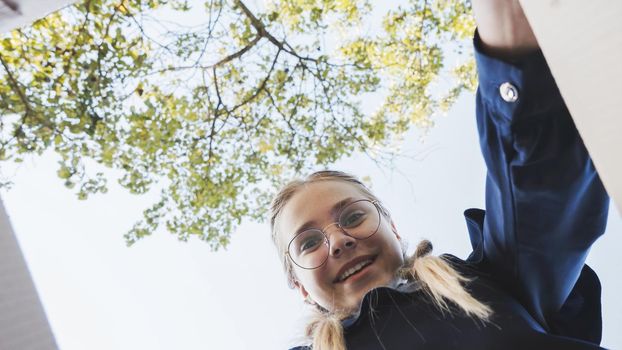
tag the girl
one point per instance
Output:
(525, 283)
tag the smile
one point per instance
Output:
(354, 269)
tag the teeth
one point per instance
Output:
(354, 269)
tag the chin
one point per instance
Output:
(376, 281)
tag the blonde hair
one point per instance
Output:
(438, 279)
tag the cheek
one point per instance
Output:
(393, 248)
(312, 280)
(389, 236)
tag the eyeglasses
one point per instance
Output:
(310, 249)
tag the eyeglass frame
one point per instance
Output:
(327, 241)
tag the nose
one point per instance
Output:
(339, 241)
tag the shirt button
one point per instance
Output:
(508, 92)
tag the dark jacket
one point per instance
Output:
(545, 207)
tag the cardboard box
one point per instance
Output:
(582, 43)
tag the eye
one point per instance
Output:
(352, 219)
(309, 243)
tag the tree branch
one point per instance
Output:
(263, 32)
(423, 18)
(223, 61)
(16, 88)
(261, 85)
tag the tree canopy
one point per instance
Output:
(217, 102)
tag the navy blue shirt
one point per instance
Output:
(545, 207)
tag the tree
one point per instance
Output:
(218, 112)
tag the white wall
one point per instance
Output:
(23, 324)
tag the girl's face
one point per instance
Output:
(316, 205)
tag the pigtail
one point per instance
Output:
(326, 331)
(442, 282)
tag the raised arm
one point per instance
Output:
(545, 204)
(503, 28)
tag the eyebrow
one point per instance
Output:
(333, 213)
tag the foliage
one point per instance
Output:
(215, 102)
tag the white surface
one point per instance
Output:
(23, 325)
(582, 42)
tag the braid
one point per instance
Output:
(326, 331)
(441, 282)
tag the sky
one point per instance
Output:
(166, 294)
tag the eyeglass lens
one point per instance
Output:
(359, 219)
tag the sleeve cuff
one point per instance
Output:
(516, 89)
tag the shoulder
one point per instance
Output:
(468, 268)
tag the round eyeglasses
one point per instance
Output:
(310, 249)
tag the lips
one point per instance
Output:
(352, 264)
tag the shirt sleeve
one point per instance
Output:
(545, 204)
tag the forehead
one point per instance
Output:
(313, 202)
